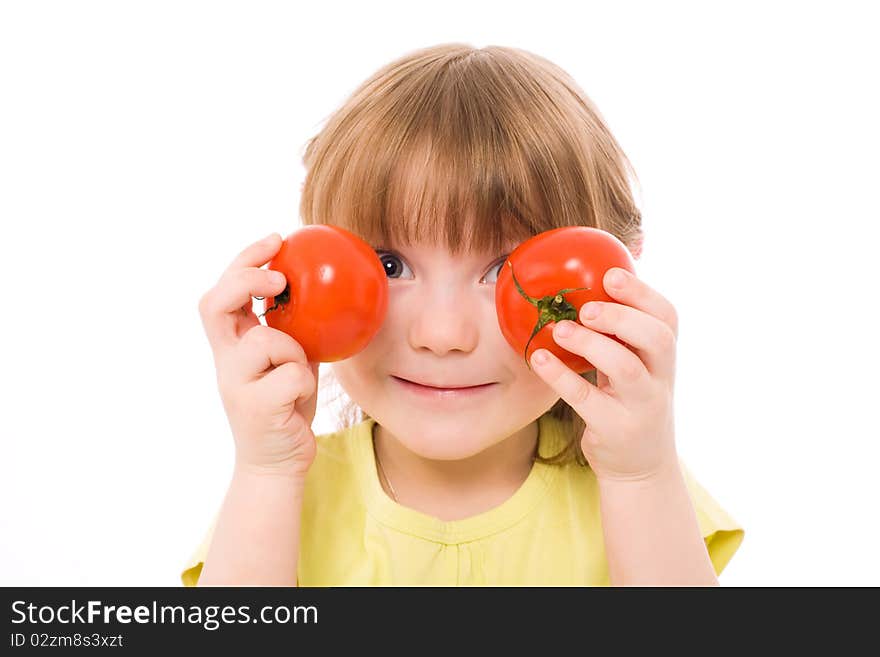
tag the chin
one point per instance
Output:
(440, 441)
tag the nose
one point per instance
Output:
(445, 321)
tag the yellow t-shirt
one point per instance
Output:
(549, 533)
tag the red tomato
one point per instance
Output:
(336, 294)
(557, 272)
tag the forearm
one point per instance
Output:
(256, 538)
(652, 537)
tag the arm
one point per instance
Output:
(269, 393)
(651, 533)
(256, 539)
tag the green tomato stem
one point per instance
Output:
(551, 308)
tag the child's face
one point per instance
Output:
(441, 328)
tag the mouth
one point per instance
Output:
(450, 391)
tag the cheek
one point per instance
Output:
(525, 382)
(511, 361)
(530, 386)
(357, 374)
(361, 375)
(389, 332)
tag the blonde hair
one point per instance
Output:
(470, 148)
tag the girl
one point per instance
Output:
(459, 465)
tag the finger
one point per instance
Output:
(636, 293)
(652, 339)
(260, 350)
(592, 404)
(627, 373)
(227, 311)
(288, 384)
(257, 254)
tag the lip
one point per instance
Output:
(429, 392)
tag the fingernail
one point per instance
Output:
(591, 310)
(616, 278)
(564, 329)
(277, 277)
(269, 237)
(540, 357)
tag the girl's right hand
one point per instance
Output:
(268, 388)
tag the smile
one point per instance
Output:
(427, 392)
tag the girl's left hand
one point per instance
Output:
(630, 432)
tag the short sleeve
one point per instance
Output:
(193, 566)
(723, 535)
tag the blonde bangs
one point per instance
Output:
(467, 149)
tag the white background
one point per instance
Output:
(144, 144)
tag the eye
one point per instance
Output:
(392, 264)
(496, 268)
